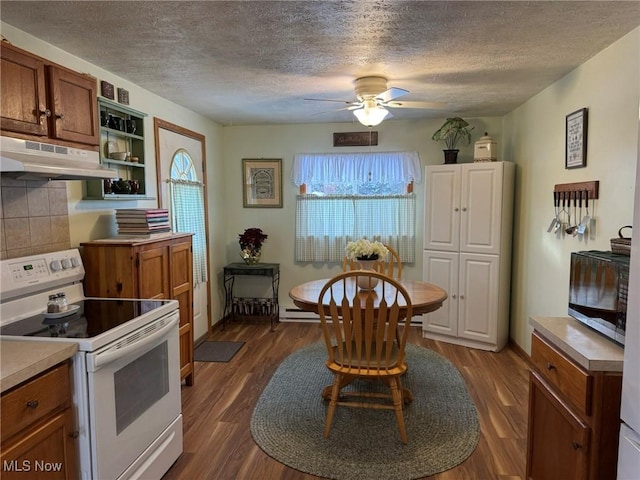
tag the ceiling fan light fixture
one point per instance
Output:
(370, 117)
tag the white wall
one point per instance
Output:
(608, 85)
(284, 141)
(93, 219)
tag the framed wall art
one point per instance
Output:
(262, 183)
(123, 96)
(106, 90)
(576, 139)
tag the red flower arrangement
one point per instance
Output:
(251, 240)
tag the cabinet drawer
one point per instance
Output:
(35, 399)
(562, 373)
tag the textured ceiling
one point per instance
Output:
(254, 62)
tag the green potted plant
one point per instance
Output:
(451, 132)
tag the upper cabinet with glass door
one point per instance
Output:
(121, 148)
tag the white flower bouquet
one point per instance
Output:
(364, 249)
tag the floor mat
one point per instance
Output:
(216, 351)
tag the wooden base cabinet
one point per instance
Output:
(146, 268)
(573, 417)
(38, 435)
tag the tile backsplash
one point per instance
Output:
(34, 216)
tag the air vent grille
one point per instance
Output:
(46, 147)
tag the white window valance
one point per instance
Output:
(312, 168)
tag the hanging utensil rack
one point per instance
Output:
(575, 188)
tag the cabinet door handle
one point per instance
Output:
(453, 296)
(60, 115)
(32, 404)
(46, 112)
(461, 297)
(74, 434)
(456, 209)
(464, 209)
(550, 366)
(576, 445)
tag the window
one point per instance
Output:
(354, 196)
(187, 209)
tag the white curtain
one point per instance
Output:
(324, 225)
(187, 206)
(312, 168)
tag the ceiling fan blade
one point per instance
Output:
(428, 105)
(350, 107)
(348, 102)
(391, 93)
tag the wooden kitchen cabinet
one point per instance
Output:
(38, 434)
(159, 268)
(44, 102)
(467, 251)
(573, 415)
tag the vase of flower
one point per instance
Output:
(250, 257)
(251, 245)
(366, 253)
(367, 283)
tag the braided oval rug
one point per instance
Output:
(442, 423)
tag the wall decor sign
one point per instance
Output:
(106, 90)
(123, 96)
(355, 139)
(576, 139)
(262, 183)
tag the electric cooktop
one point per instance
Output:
(84, 319)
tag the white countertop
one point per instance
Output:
(22, 360)
(587, 348)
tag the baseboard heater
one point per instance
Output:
(297, 315)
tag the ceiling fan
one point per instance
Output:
(373, 99)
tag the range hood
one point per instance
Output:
(29, 160)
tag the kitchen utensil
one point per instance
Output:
(559, 222)
(556, 204)
(576, 230)
(571, 228)
(585, 221)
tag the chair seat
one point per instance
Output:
(361, 363)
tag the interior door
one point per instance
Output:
(171, 138)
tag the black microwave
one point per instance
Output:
(598, 290)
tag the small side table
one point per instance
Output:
(251, 306)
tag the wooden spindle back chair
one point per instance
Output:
(360, 328)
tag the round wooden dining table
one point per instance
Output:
(425, 297)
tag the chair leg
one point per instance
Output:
(396, 393)
(333, 403)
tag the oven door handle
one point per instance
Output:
(99, 360)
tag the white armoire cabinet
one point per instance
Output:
(467, 251)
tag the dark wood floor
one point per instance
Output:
(217, 409)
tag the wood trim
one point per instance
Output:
(158, 123)
(520, 352)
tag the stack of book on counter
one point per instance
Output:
(143, 222)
